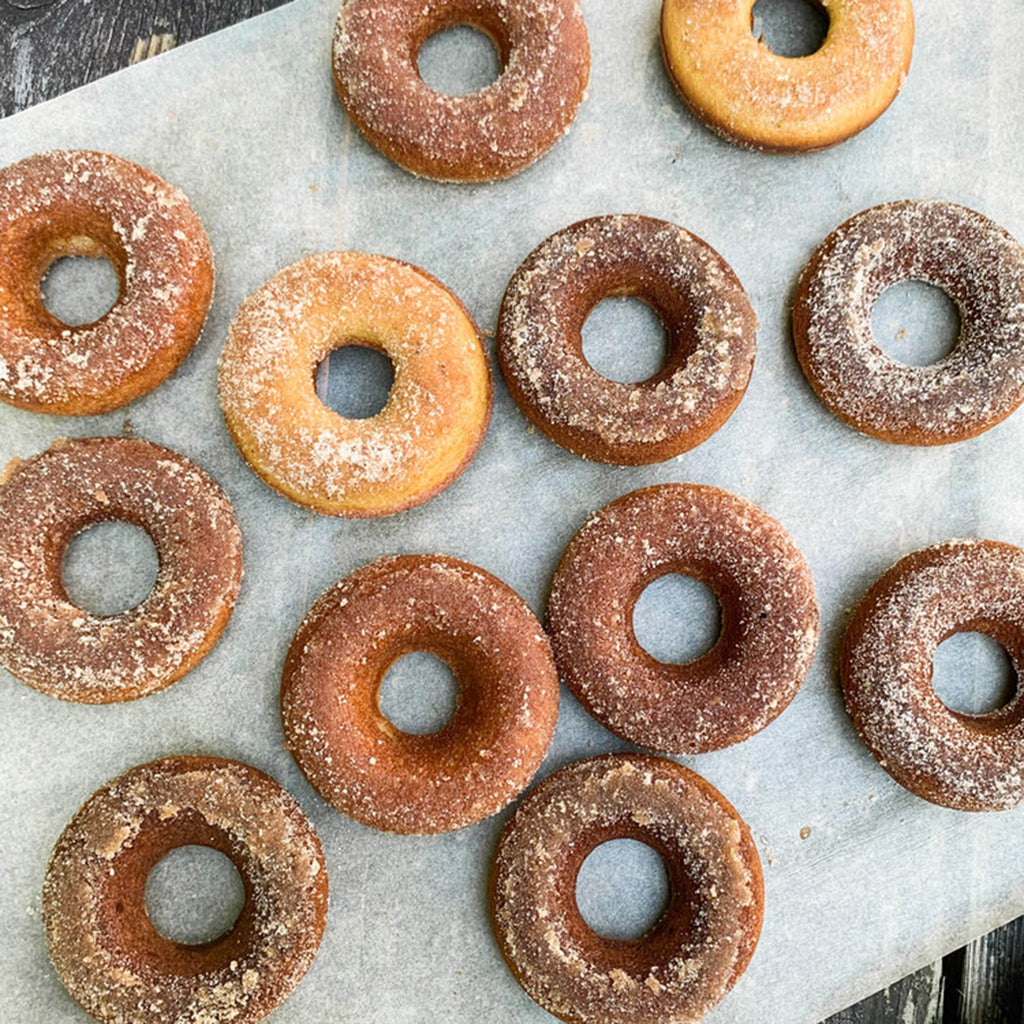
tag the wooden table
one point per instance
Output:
(50, 46)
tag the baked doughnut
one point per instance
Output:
(100, 939)
(493, 133)
(501, 729)
(975, 262)
(968, 762)
(79, 203)
(56, 647)
(769, 626)
(743, 91)
(701, 945)
(437, 412)
(712, 335)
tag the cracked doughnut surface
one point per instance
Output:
(482, 136)
(769, 621)
(967, 762)
(81, 203)
(692, 956)
(711, 328)
(100, 938)
(740, 89)
(507, 708)
(56, 647)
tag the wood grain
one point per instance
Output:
(50, 46)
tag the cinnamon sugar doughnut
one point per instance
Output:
(968, 256)
(749, 95)
(56, 647)
(435, 417)
(967, 762)
(711, 327)
(100, 939)
(508, 701)
(691, 957)
(769, 618)
(490, 134)
(79, 203)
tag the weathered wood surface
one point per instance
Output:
(50, 46)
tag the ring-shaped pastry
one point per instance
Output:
(102, 943)
(362, 763)
(743, 91)
(711, 328)
(692, 956)
(978, 264)
(490, 134)
(967, 762)
(436, 414)
(80, 203)
(769, 618)
(56, 647)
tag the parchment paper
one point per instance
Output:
(246, 123)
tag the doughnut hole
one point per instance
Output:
(110, 568)
(80, 290)
(973, 674)
(419, 694)
(916, 323)
(355, 380)
(194, 895)
(625, 340)
(790, 28)
(622, 889)
(459, 60)
(677, 619)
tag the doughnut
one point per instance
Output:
(53, 645)
(740, 89)
(490, 134)
(769, 627)
(711, 328)
(698, 949)
(977, 264)
(364, 765)
(437, 412)
(79, 203)
(967, 762)
(102, 943)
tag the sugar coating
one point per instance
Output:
(435, 416)
(969, 762)
(742, 90)
(63, 203)
(501, 729)
(968, 256)
(711, 326)
(489, 134)
(53, 645)
(100, 941)
(691, 958)
(769, 625)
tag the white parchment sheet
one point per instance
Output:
(246, 123)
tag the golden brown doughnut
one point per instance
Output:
(56, 647)
(79, 203)
(711, 327)
(769, 618)
(437, 412)
(968, 762)
(742, 90)
(508, 701)
(493, 133)
(978, 264)
(695, 953)
(100, 939)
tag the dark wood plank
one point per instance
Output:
(50, 46)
